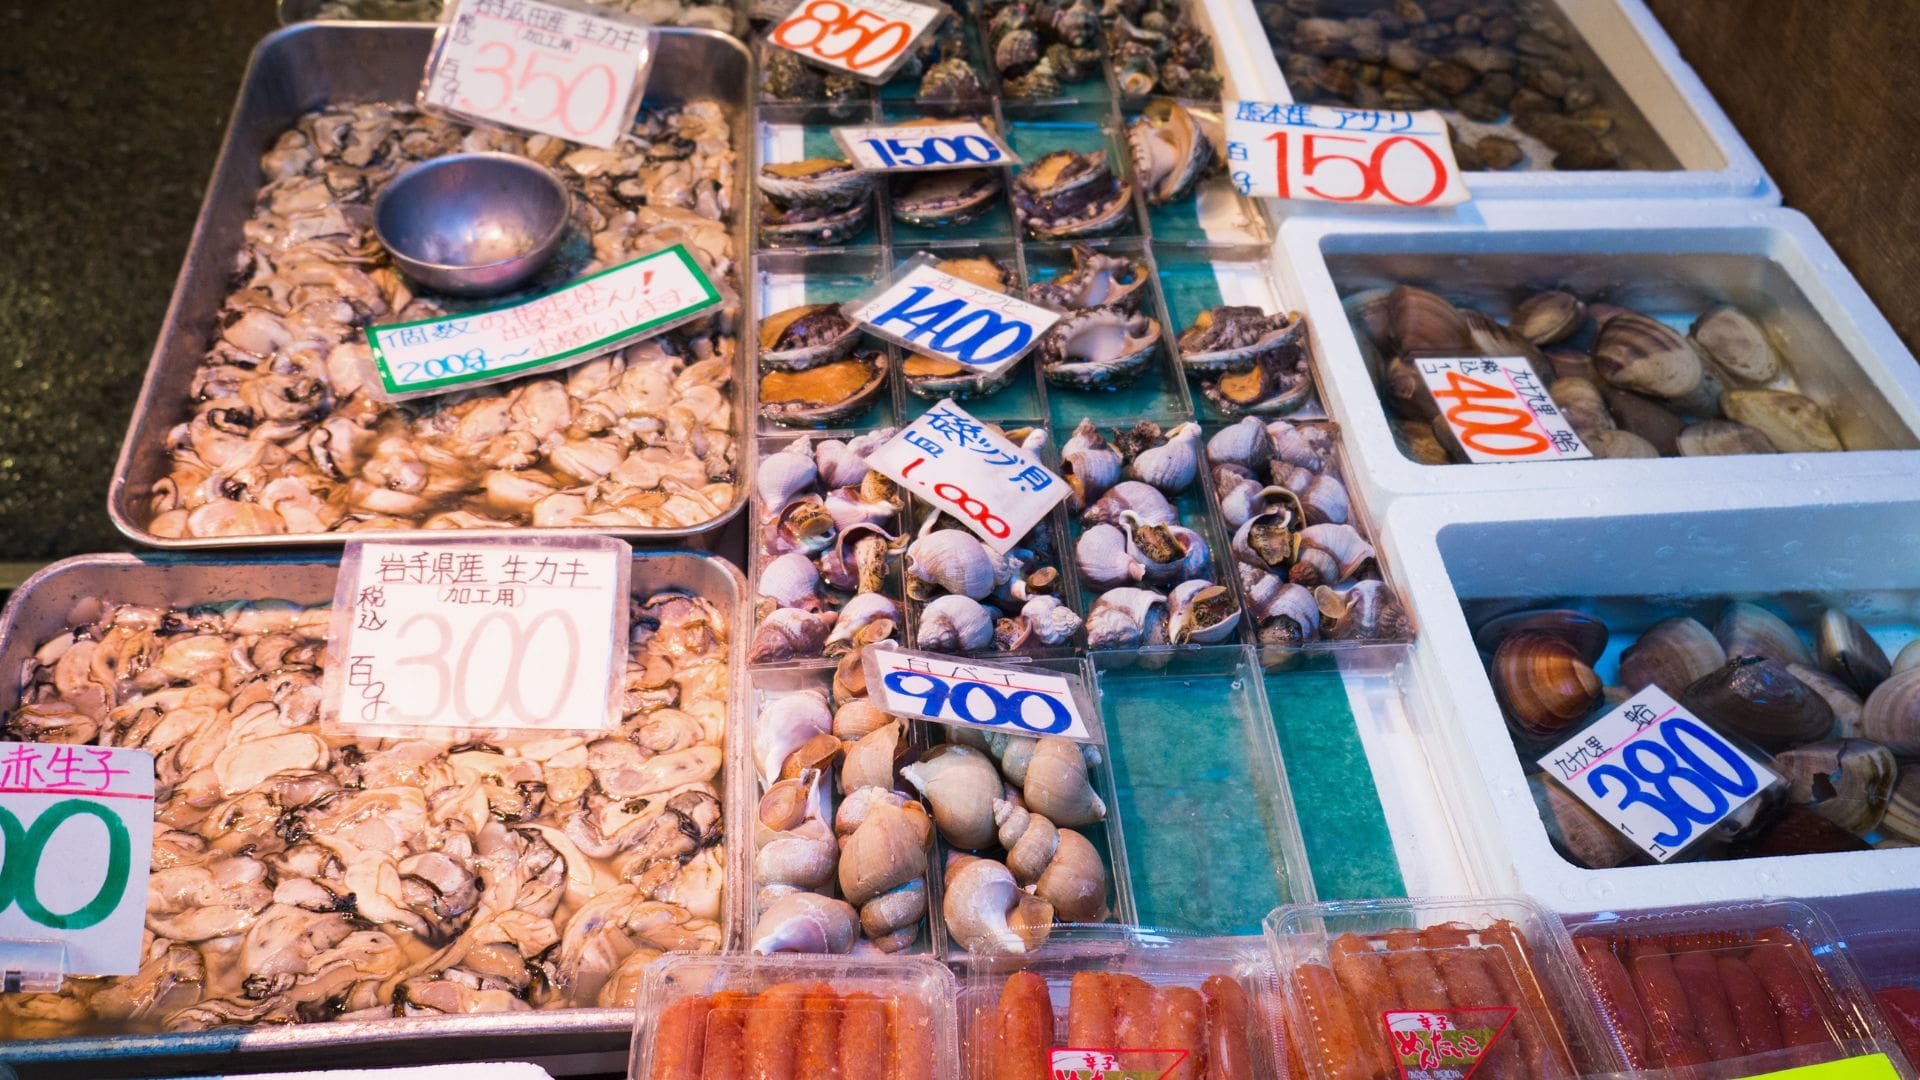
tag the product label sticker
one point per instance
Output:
(1355, 156)
(972, 473)
(1445, 1044)
(78, 842)
(570, 325)
(545, 66)
(479, 635)
(1656, 773)
(934, 313)
(1014, 699)
(1079, 1063)
(867, 39)
(1498, 410)
(959, 144)
(1864, 1067)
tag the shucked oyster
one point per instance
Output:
(1096, 280)
(1098, 349)
(1067, 193)
(1171, 151)
(825, 395)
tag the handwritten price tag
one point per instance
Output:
(479, 635)
(1656, 773)
(1077, 1063)
(1499, 411)
(923, 147)
(78, 829)
(1431, 1045)
(864, 38)
(573, 72)
(935, 313)
(570, 325)
(1364, 156)
(993, 697)
(970, 471)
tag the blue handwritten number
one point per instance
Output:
(1632, 795)
(1642, 756)
(932, 699)
(1017, 702)
(1672, 758)
(1007, 708)
(945, 319)
(1741, 784)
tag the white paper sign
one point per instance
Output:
(864, 38)
(1009, 699)
(962, 144)
(1656, 773)
(479, 635)
(570, 325)
(1499, 411)
(77, 823)
(971, 472)
(937, 314)
(558, 69)
(1356, 156)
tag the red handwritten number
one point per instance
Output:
(996, 527)
(856, 45)
(562, 97)
(1472, 399)
(500, 72)
(912, 465)
(1279, 141)
(1433, 158)
(1371, 172)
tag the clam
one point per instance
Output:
(1543, 683)
(1170, 151)
(1096, 280)
(1233, 337)
(816, 183)
(1617, 444)
(960, 783)
(1892, 713)
(1245, 443)
(1129, 496)
(1757, 697)
(1583, 835)
(1089, 464)
(1846, 781)
(1417, 442)
(784, 474)
(955, 624)
(1366, 612)
(1849, 653)
(1672, 654)
(1710, 438)
(1127, 618)
(1737, 345)
(828, 394)
(1067, 194)
(1638, 353)
(806, 336)
(1172, 465)
(1586, 634)
(1405, 391)
(1421, 321)
(1643, 416)
(952, 561)
(1547, 318)
(1846, 704)
(1098, 349)
(1580, 402)
(1203, 613)
(935, 378)
(1908, 657)
(1793, 423)
(943, 198)
(1750, 630)
(1902, 820)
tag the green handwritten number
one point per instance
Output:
(21, 865)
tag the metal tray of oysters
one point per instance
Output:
(253, 426)
(726, 16)
(528, 915)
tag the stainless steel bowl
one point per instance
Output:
(472, 224)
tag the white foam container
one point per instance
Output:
(1853, 542)
(1667, 258)
(1715, 160)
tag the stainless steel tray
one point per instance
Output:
(299, 11)
(565, 1041)
(297, 69)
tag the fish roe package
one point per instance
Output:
(1741, 988)
(1433, 989)
(1888, 959)
(790, 1017)
(1120, 1001)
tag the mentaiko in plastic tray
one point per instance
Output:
(1393, 989)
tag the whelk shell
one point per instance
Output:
(955, 624)
(960, 783)
(1089, 465)
(1244, 443)
(1172, 465)
(1202, 613)
(1369, 611)
(1105, 559)
(987, 911)
(1129, 496)
(1127, 618)
(1058, 785)
(952, 560)
(784, 474)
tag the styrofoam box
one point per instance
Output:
(1715, 161)
(1853, 544)
(1670, 261)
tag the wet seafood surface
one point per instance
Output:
(287, 436)
(304, 874)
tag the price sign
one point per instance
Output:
(1656, 773)
(864, 38)
(479, 635)
(970, 471)
(1012, 700)
(570, 325)
(1080, 1063)
(923, 147)
(547, 66)
(1443, 1044)
(1499, 411)
(937, 314)
(76, 842)
(1354, 156)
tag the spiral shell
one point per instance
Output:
(1127, 618)
(1105, 560)
(952, 560)
(839, 464)
(1143, 499)
(1058, 785)
(791, 580)
(1203, 613)
(955, 624)
(1172, 465)
(1245, 443)
(784, 474)
(960, 783)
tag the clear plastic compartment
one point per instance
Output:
(1886, 952)
(1125, 1000)
(1196, 280)
(809, 1016)
(1434, 987)
(1733, 990)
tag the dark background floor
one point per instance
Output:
(111, 112)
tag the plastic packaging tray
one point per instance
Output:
(1675, 261)
(1848, 544)
(782, 1012)
(1630, 43)
(1881, 936)
(1680, 988)
(1368, 979)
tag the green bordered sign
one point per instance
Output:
(76, 842)
(570, 325)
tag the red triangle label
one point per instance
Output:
(1444, 1044)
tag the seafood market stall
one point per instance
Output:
(1062, 609)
